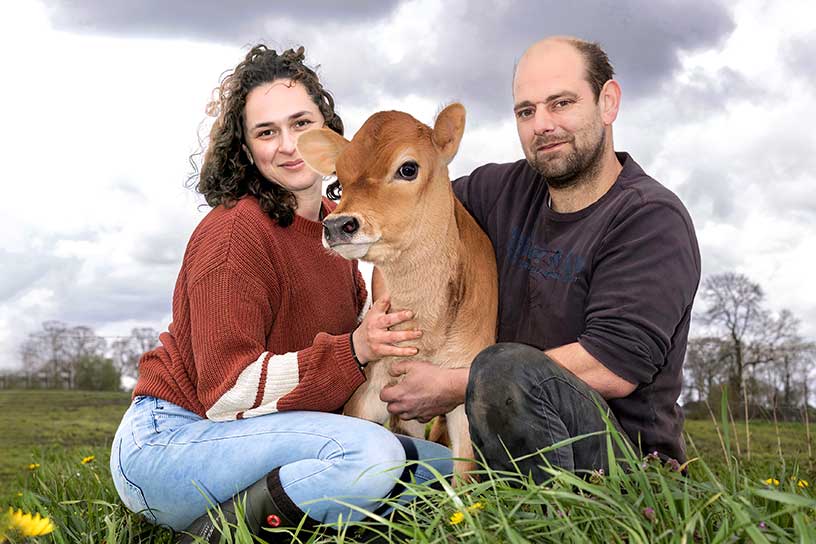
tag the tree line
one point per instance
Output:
(60, 356)
(756, 356)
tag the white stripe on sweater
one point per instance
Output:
(281, 378)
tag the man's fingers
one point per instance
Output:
(398, 368)
(387, 395)
(397, 409)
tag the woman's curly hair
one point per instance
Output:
(226, 173)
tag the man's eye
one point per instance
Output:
(563, 103)
(524, 114)
(408, 171)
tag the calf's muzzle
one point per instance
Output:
(340, 229)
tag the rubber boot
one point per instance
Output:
(266, 505)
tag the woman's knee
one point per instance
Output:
(371, 456)
(365, 444)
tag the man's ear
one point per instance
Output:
(320, 148)
(448, 130)
(610, 99)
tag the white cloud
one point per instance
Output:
(745, 167)
(98, 129)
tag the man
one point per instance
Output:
(598, 267)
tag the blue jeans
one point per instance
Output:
(171, 465)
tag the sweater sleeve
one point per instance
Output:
(237, 376)
(643, 282)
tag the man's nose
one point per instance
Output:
(543, 121)
(340, 228)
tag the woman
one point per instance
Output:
(237, 401)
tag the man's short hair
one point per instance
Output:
(598, 68)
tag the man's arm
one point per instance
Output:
(426, 390)
(591, 371)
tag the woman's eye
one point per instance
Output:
(266, 133)
(302, 123)
(408, 171)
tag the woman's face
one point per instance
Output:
(275, 115)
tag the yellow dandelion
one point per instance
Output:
(803, 484)
(475, 506)
(33, 466)
(456, 518)
(86, 460)
(772, 481)
(19, 493)
(28, 525)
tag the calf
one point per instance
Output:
(398, 211)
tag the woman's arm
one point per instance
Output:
(237, 376)
(372, 339)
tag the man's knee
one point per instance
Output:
(508, 364)
(501, 379)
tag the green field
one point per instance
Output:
(36, 425)
(57, 429)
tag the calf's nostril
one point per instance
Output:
(350, 226)
(327, 232)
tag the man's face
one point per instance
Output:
(558, 119)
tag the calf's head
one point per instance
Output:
(394, 179)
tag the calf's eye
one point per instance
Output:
(408, 171)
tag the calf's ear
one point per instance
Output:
(448, 130)
(320, 148)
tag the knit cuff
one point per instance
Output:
(351, 370)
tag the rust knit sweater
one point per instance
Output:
(261, 320)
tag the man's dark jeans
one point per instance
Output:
(520, 401)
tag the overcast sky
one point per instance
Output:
(103, 101)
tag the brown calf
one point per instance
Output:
(398, 212)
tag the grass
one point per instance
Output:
(725, 498)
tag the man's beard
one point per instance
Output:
(576, 168)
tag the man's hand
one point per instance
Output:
(425, 390)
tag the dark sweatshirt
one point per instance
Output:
(619, 277)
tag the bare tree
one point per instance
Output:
(82, 343)
(52, 346)
(144, 339)
(31, 355)
(128, 351)
(706, 364)
(735, 308)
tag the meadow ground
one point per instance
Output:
(46, 435)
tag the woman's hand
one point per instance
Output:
(372, 339)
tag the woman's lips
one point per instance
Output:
(293, 165)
